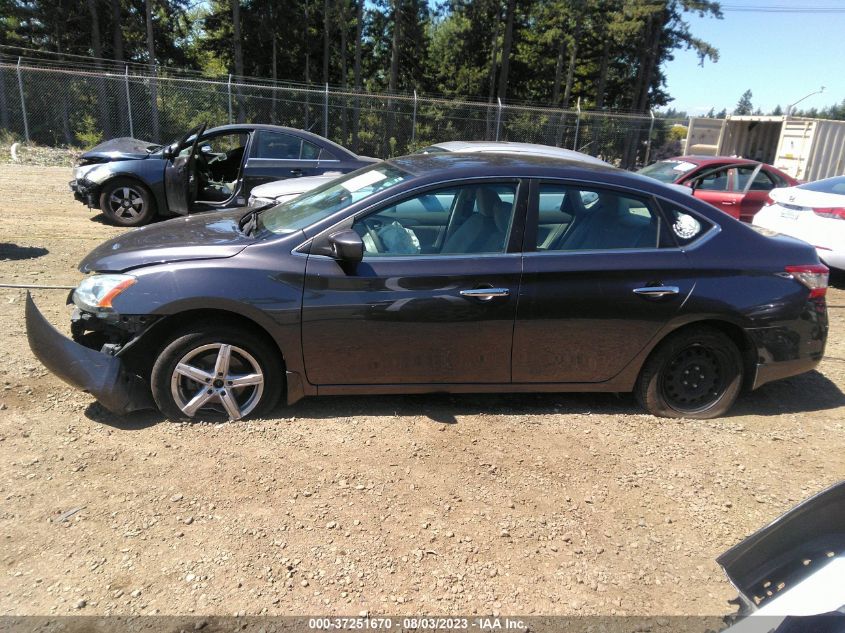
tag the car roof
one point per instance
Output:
(309, 136)
(712, 160)
(508, 147)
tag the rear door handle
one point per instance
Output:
(485, 294)
(296, 173)
(657, 291)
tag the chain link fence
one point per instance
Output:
(60, 106)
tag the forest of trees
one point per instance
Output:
(607, 53)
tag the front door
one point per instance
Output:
(432, 302)
(603, 278)
(714, 186)
(180, 178)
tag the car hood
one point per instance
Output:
(204, 236)
(124, 148)
(290, 186)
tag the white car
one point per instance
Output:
(506, 147)
(813, 212)
(280, 191)
(284, 190)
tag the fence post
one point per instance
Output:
(23, 103)
(230, 98)
(498, 117)
(648, 143)
(414, 119)
(128, 101)
(577, 123)
(326, 113)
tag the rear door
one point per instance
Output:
(277, 155)
(180, 178)
(601, 276)
(755, 183)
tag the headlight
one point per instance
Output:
(98, 174)
(98, 291)
(259, 202)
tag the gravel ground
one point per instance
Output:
(545, 504)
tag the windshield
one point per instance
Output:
(667, 170)
(828, 185)
(329, 198)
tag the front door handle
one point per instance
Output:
(485, 294)
(656, 292)
(296, 173)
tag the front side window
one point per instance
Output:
(713, 181)
(462, 220)
(576, 218)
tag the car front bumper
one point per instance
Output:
(84, 191)
(99, 374)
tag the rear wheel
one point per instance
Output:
(126, 202)
(694, 373)
(220, 373)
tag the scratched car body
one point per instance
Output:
(445, 272)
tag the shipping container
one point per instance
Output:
(806, 149)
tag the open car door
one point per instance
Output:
(718, 186)
(180, 178)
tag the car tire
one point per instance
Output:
(126, 202)
(694, 373)
(182, 393)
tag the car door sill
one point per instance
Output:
(507, 387)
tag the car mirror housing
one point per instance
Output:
(347, 246)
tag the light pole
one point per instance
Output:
(790, 107)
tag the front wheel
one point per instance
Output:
(220, 373)
(126, 202)
(695, 373)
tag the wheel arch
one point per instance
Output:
(141, 354)
(733, 331)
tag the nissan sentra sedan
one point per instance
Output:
(444, 272)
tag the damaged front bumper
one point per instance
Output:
(99, 374)
(84, 191)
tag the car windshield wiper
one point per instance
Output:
(249, 221)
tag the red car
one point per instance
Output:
(737, 186)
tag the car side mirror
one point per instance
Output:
(205, 149)
(347, 246)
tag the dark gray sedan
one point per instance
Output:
(444, 273)
(132, 181)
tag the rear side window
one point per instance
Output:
(684, 226)
(573, 218)
(762, 181)
(278, 145)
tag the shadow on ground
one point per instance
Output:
(802, 394)
(14, 252)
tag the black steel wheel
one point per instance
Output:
(695, 373)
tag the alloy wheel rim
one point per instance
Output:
(126, 203)
(694, 379)
(219, 378)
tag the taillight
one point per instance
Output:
(768, 201)
(837, 213)
(814, 277)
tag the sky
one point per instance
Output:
(781, 56)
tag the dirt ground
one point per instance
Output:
(511, 504)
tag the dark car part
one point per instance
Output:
(791, 548)
(695, 373)
(216, 371)
(126, 202)
(102, 376)
(524, 315)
